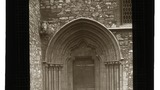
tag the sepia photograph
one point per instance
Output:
(80, 45)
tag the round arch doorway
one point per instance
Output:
(82, 55)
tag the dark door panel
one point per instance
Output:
(83, 74)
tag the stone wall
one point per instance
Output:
(35, 46)
(124, 37)
(56, 13)
(61, 11)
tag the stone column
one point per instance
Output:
(107, 77)
(52, 76)
(60, 70)
(117, 81)
(115, 78)
(54, 68)
(114, 87)
(50, 79)
(110, 76)
(113, 75)
(57, 78)
(121, 76)
(47, 78)
(44, 75)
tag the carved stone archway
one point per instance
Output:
(81, 38)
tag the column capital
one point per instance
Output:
(122, 61)
(60, 66)
(112, 63)
(57, 65)
(45, 63)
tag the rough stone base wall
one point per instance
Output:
(35, 46)
(124, 38)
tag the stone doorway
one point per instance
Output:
(83, 44)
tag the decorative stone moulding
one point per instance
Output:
(112, 62)
(81, 38)
(94, 33)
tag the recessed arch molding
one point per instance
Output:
(90, 31)
(82, 37)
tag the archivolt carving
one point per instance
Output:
(83, 37)
(78, 30)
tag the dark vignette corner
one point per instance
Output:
(143, 45)
(17, 45)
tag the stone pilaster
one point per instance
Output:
(112, 75)
(52, 76)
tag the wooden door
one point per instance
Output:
(83, 74)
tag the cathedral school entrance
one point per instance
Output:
(83, 55)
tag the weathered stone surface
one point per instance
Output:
(125, 41)
(57, 14)
(106, 10)
(35, 46)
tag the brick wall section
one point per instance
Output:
(35, 46)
